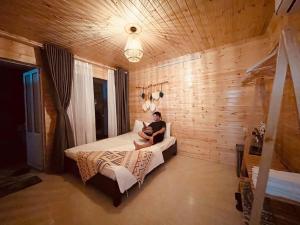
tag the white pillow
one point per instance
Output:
(138, 126)
(168, 130)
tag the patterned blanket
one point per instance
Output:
(90, 163)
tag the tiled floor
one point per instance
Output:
(182, 191)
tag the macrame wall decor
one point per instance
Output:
(151, 95)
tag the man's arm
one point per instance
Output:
(162, 130)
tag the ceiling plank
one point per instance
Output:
(170, 28)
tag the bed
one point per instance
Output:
(115, 181)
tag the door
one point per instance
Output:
(101, 117)
(33, 112)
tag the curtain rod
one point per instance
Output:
(31, 43)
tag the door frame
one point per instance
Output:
(41, 74)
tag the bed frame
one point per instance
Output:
(106, 185)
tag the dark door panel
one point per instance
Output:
(101, 118)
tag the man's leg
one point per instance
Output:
(143, 135)
(138, 146)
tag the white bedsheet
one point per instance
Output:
(281, 183)
(123, 143)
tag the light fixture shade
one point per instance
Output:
(133, 49)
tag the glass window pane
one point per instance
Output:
(36, 102)
(28, 92)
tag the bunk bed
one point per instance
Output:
(260, 207)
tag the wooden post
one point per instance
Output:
(270, 136)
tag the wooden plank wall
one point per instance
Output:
(288, 136)
(13, 50)
(204, 99)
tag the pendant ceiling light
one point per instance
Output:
(133, 49)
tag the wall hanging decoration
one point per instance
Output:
(143, 94)
(155, 94)
(150, 95)
(152, 107)
(161, 94)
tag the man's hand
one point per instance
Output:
(144, 127)
(148, 130)
(151, 139)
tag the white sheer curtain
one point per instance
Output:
(82, 107)
(111, 104)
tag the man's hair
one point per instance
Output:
(157, 113)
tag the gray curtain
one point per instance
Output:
(122, 97)
(60, 64)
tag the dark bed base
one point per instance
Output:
(106, 185)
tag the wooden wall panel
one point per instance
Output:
(49, 115)
(99, 72)
(204, 99)
(288, 137)
(16, 51)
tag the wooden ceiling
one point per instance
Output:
(94, 29)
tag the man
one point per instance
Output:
(153, 133)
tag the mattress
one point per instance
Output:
(123, 143)
(280, 183)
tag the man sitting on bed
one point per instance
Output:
(153, 133)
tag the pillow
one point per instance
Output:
(138, 126)
(168, 130)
